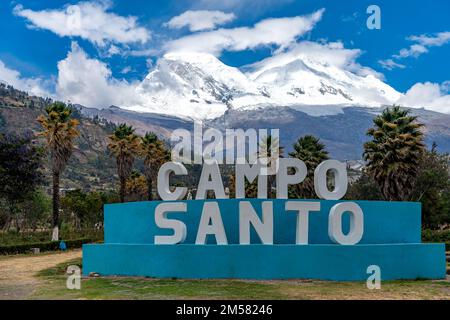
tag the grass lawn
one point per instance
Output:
(53, 286)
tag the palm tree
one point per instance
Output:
(60, 130)
(124, 144)
(312, 152)
(155, 155)
(266, 145)
(136, 186)
(394, 152)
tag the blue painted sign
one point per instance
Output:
(384, 222)
(390, 240)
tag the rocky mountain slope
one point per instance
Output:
(343, 130)
(90, 166)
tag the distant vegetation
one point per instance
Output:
(399, 168)
(93, 162)
(90, 167)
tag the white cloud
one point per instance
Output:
(250, 7)
(350, 17)
(414, 50)
(279, 32)
(331, 53)
(35, 86)
(437, 40)
(126, 70)
(143, 52)
(89, 82)
(200, 20)
(113, 50)
(421, 45)
(432, 96)
(88, 20)
(445, 86)
(390, 64)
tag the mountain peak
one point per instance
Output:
(200, 86)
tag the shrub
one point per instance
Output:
(19, 238)
(437, 236)
(44, 246)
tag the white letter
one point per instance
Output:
(198, 142)
(179, 228)
(241, 136)
(181, 152)
(263, 228)
(356, 223)
(374, 21)
(303, 209)
(250, 172)
(214, 150)
(339, 171)
(374, 280)
(211, 212)
(210, 179)
(283, 179)
(163, 181)
(268, 158)
(74, 280)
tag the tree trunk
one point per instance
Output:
(270, 183)
(55, 222)
(150, 189)
(14, 212)
(18, 227)
(8, 223)
(122, 189)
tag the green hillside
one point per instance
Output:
(90, 167)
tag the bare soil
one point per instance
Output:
(18, 278)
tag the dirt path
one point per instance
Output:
(18, 274)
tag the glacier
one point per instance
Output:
(199, 86)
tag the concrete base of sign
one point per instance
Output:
(318, 261)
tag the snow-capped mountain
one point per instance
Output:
(299, 94)
(200, 86)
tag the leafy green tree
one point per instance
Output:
(20, 171)
(155, 155)
(394, 152)
(125, 145)
(60, 131)
(4, 214)
(136, 187)
(431, 186)
(312, 152)
(251, 188)
(365, 188)
(84, 208)
(36, 209)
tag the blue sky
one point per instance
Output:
(131, 35)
